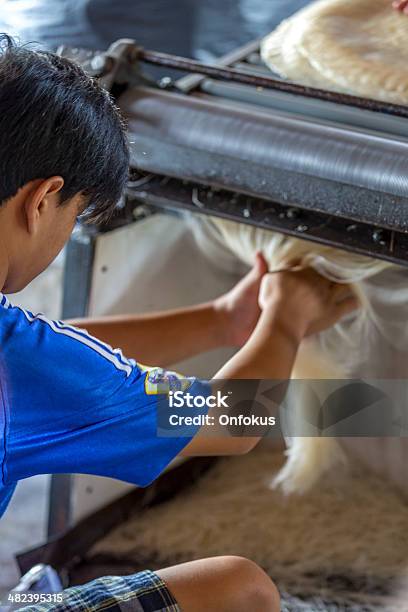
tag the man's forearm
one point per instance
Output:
(162, 338)
(269, 354)
(166, 338)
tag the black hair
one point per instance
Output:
(57, 121)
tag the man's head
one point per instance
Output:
(63, 152)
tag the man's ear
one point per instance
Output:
(40, 199)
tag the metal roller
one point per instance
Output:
(291, 159)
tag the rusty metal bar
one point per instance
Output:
(231, 74)
(191, 81)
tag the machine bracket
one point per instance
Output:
(338, 232)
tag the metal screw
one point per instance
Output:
(292, 213)
(140, 212)
(378, 237)
(165, 82)
(302, 228)
(98, 63)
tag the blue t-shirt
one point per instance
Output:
(69, 403)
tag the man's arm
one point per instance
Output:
(166, 338)
(294, 305)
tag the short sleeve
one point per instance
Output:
(74, 405)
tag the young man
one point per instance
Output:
(70, 403)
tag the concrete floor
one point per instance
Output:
(24, 523)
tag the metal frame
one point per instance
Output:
(79, 259)
(256, 80)
(378, 230)
(121, 63)
(346, 234)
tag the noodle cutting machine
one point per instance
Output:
(234, 140)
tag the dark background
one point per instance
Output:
(201, 28)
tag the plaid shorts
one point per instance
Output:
(142, 592)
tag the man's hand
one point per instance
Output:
(304, 301)
(401, 5)
(239, 308)
(293, 304)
